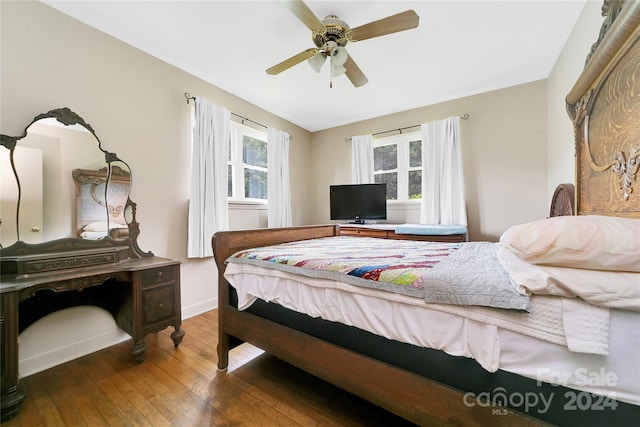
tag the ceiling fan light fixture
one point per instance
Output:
(316, 61)
(337, 70)
(332, 35)
(339, 56)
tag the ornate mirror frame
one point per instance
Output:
(24, 258)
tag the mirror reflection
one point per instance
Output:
(97, 190)
(53, 204)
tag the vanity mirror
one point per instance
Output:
(57, 180)
(68, 235)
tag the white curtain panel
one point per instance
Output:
(362, 159)
(279, 193)
(443, 200)
(208, 210)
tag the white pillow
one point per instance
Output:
(96, 226)
(602, 288)
(102, 226)
(592, 242)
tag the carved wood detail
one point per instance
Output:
(41, 266)
(563, 201)
(625, 167)
(610, 10)
(604, 106)
(74, 284)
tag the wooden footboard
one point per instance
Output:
(416, 398)
(227, 243)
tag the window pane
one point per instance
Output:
(254, 151)
(230, 181)
(391, 179)
(385, 157)
(415, 154)
(255, 184)
(415, 184)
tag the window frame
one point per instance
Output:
(236, 134)
(402, 142)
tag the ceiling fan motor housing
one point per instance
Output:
(336, 30)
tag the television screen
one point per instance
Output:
(358, 202)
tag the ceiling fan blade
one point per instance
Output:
(391, 24)
(304, 14)
(295, 59)
(354, 73)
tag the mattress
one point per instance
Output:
(613, 373)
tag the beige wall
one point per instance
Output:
(504, 146)
(136, 105)
(561, 166)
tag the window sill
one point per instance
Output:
(247, 205)
(414, 204)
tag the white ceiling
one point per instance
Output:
(460, 48)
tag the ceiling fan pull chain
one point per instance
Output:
(330, 73)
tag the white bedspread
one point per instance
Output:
(571, 323)
(581, 327)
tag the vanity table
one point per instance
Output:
(140, 290)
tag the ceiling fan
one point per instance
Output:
(331, 36)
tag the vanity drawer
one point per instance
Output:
(363, 232)
(158, 275)
(158, 304)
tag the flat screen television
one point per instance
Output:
(358, 203)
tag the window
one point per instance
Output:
(247, 164)
(398, 163)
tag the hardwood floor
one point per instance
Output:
(183, 388)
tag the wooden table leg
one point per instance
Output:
(12, 394)
(177, 336)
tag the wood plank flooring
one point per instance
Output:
(183, 388)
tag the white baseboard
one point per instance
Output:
(199, 308)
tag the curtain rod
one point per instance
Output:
(189, 98)
(463, 117)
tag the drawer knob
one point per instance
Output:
(161, 305)
(159, 273)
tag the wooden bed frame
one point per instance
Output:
(606, 166)
(411, 396)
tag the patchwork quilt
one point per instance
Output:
(446, 273)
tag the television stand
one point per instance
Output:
(387, 231)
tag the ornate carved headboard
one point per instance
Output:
(604, 106)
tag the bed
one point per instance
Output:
(474, 369)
